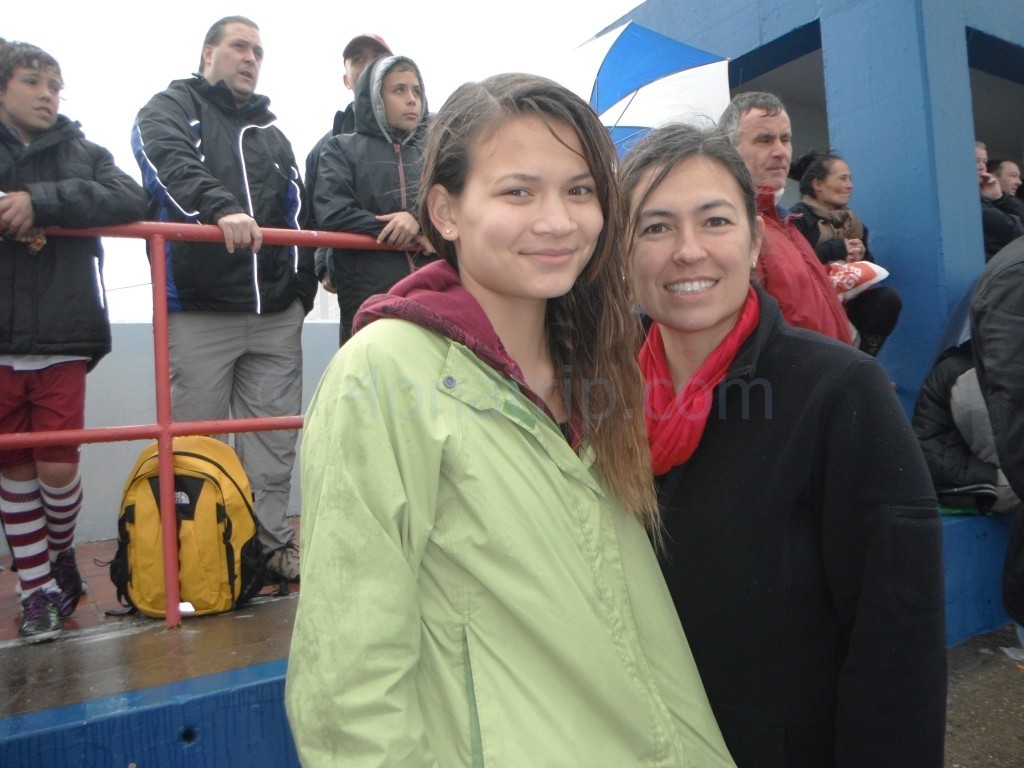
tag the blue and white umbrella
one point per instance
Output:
(958, 326)
(637, 79)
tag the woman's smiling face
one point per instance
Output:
(693, 249)
(528, 220)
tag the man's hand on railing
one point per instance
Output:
(240, 231)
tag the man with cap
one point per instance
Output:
(360, 51)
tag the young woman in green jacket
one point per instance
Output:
(478, 583)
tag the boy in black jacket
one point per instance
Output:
(53, 321)
(369, 183)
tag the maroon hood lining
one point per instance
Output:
(434, 298)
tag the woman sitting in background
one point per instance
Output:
(837, 235)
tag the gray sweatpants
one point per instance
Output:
(244, 365)
(970, 414)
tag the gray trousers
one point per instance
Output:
(244, 365)
(967, 406)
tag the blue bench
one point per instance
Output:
(973, 548)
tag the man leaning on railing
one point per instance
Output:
(209, 153)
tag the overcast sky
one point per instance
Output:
(115, 54)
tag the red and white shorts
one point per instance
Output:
(40, 401)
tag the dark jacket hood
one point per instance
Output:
(370, 117)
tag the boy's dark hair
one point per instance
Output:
(216, 32)
(14, 55)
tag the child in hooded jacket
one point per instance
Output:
(368, 184)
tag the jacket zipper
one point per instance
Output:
(248, 199)
(401, 175)
(405, 199)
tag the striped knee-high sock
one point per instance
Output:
(25, 523)
(62, 506)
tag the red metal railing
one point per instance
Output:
(165, 428)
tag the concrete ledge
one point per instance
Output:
(973, 548)
(226, 719)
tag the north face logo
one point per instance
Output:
(180, 497)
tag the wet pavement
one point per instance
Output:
(985, 710)
(101, 656)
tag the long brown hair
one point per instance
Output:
(592, 334)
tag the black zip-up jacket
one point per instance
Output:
(829, 250)
(1000, 223)
(949, 457)
(363, 174)
(52, 302)
(997, 332)
(202, 158)
(803, 550)
(344, 122)
(369, 172)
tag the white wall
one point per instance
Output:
(119, 392)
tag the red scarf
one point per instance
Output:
(675, 422)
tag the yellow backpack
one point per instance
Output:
(220, 559)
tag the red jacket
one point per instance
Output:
(790, 271)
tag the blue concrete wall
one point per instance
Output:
(899, 107)
(916, 181)
(234, 718)
(973, 549)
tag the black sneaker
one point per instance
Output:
(40, 619)
(283, 563)
(65, 571)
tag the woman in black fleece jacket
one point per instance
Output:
(802, 543)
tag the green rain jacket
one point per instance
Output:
(471, 594)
